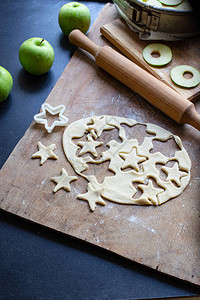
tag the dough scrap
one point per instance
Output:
(133, 165)
(45, 152)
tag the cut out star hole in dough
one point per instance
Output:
(45, 152)
(63, 181)
(174, 174)
(131, 159)
(41, 118)
(89, 146)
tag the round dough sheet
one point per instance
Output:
(140, 175)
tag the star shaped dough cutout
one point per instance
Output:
(131, 159)
(150, 192)
(41, 118)
(93, 196)
(174, 174)
(89, 146)
(99, 124)
(45, 152)
(63, 181)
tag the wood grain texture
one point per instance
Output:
(165, 238)
(140, 81)
(184, 53)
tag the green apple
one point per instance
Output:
(6, 83)
(74, 15)
(36, 56)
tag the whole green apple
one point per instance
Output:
(74, 15)
(6, 83)
(36, 56)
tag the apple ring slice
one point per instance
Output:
(178, 72)
(157, 54)
(171, 2)
(155, 3)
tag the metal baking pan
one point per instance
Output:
(158, 23)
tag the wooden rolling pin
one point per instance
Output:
(146, 85)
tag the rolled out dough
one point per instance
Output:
(134, 166)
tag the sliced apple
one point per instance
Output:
(185, 76)
(157, 54)
(170, 2)
(155, 3)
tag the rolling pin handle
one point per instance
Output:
(191, 117)
(79, 39)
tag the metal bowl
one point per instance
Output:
(158, 23)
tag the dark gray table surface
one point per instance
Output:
(35, 262)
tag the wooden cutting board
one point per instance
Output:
(165, 238)
(184, 52)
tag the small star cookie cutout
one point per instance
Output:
(45, 152)
(89, 146)
(150, 192)
(131, 159)
(63, 181)
(98, 126)
(93, 196)
(174, 174)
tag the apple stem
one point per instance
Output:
(41, 41)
